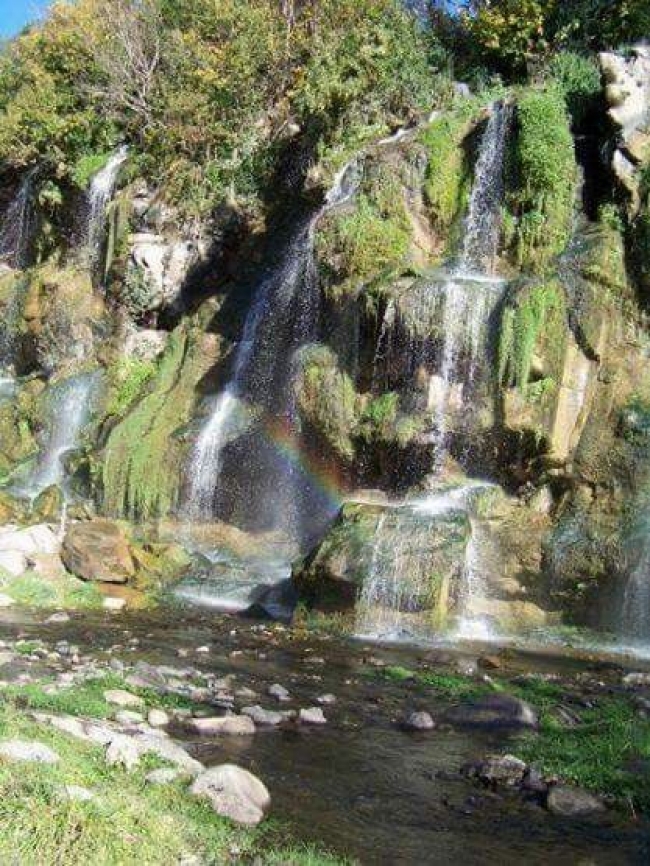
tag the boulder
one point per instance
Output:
(494, 711)
(234, 793)
(35, 540)
(567, 801)
(500, 770)
(98, 551)
(29, 752)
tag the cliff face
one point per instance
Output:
(419, 363)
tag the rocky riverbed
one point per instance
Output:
(376, 754)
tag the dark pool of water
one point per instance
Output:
(359, 786)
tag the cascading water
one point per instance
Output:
(69, 409)
(282, 318)
(469, 294)
(100, 194)
(636, 603)
(17, 224)
(422, 554)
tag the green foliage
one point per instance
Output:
(578, 77)
(87, 167)
(136, 293)
(536, 322)
(544, 177)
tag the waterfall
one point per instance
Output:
(258, 399)
(18, 223)
(636, 602)
(69, 408)
(469, 294)
(100, 194)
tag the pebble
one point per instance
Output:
(418, 721)
(61, 616)
(279, 692)
(325, 700)
(312, 716)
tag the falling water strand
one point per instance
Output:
(100, 194)
(472, 623)
(282, 317)
(69, 411)
(468, 296)
(636, 603)
(17, 224)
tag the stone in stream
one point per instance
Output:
(29, 752)
(418, 721)
(121, 698)
(218, 725)
(326, 700)
(567, 801)
(265, 718)
(234, 793)
(493, 711)
(312, 716)
(499, 770)
(279, 692)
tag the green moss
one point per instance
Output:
(536, 322)
(543, 177)
(448, 175)
(127, 381)
(328, 400)
(374, 239)
(143, 458)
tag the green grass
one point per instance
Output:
(453, 686)
(127, 823)
(66, 592)
(595, 753)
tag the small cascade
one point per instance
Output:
(472, 624)
(469, 293)
(258, 399)
(17, 224)
(69, 409)
(100, 194)
(635, 619)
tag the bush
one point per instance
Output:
(578, 77)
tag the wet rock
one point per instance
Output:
(234, 793)
(98, 551)
(122, 698)
(534, 783)
(494, 711)
(158, 718)
(312, 716)
(29, 752)
(500, 770)
(569, 802)
(265, 718)
(279, 692)
(223, 725)
(276, 602)
(418, 721)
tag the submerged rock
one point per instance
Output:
(494, 711)
(266, 718)
(234, 793)
(569, 802)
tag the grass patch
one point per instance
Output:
(598, 752)
(453, 686)
(128, 822)
(66, 592)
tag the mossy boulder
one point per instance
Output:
(426, 555)
(98, 551)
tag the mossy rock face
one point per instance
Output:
(429, 554)
(145, 453)
(48, 505)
